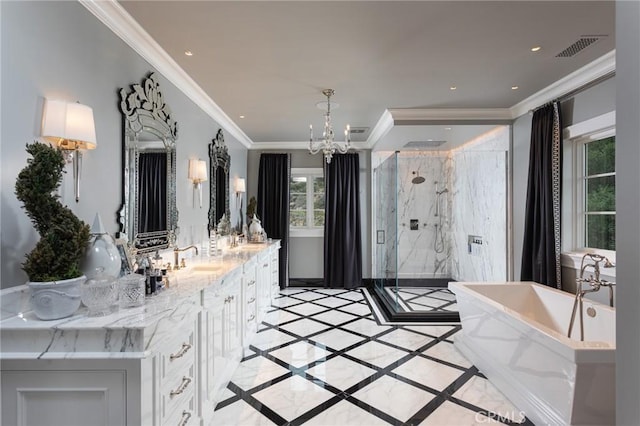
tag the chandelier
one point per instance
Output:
(328, 145)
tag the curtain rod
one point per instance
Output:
(571, 93)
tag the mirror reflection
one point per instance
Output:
(148, 217)
(219, 161)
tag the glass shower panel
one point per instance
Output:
(386, 187)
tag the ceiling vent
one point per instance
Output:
(359, 130)
(423, 144)
(582, 43)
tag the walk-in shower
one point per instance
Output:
(423, 232)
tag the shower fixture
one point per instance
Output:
(418, 179)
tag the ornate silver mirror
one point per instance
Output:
(219, 161)
(148, 217)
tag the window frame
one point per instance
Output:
(309, 230)
(574, 185)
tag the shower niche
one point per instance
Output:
(428, 204)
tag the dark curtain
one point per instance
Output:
(541, 247)
(273, 205)
(152, 191)
(342, 241)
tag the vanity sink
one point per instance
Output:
(207, 267)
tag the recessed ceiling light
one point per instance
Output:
(535, 49)
(188, 53)
(447, 128)
(453, 87)
(430, 140)
(514, 87)
(242, 116)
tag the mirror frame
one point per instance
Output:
(218, 157)
(145, 111)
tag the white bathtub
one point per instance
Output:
(515, 333)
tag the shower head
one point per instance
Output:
(418, 179)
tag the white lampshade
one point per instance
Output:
(240, 185)
(197, 170)
(69, 125)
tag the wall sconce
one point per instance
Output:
(70, 127)
(197, 174)
(241, 188)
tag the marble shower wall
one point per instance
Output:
(416, 255)
(479, 200)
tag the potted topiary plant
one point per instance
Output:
(53, 266)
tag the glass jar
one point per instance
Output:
(132, 290)
(99, 295)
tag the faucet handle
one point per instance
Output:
(182, 263)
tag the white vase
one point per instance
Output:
(255, 229)
(102, 256)
(56, 299)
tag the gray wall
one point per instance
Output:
(59, 50)
(627, 208)
(590, 103)
(306, 254)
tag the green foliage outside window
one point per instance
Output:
(600, 194)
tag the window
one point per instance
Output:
(598, 194)
(589, 188)
(306, 202)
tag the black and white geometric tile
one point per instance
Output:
(321, 359)
(424, 299)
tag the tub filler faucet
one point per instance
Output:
(176, 252)
(595, 284)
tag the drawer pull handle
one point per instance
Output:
(266, 265)
(186, 416)
(181, 388)
(253, 299)
(250, 283)
(185, 348)
(251, 318)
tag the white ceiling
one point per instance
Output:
(269, 61)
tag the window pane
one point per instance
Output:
(298, 184)
(318, 185)
(601, 231)
(318, 217)
(601, 194)
(298, 218)
(601, 156)
(318, 201)
(298, 202)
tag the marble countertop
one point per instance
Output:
(126, 333)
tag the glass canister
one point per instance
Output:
(99, 295)
(132, 290)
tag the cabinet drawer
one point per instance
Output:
(183, 415)
(179, 354)
(178, 392)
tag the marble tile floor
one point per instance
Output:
(423, 299)
(321, 359)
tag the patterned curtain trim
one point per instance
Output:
(557, 189)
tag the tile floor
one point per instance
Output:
(430, 299)
(321, 359)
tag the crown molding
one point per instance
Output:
(289, 145)
(606, 64)
(116, 18)
(418, 115)
(382, 127)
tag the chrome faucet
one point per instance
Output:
(595, 283)
(176, 252)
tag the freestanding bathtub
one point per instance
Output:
(515, 333)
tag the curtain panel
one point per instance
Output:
(541, 245)
(342, 233)
(273, 204)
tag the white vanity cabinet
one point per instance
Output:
(249, 302)
(164, 363)
(220, 338)
(274, 251)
